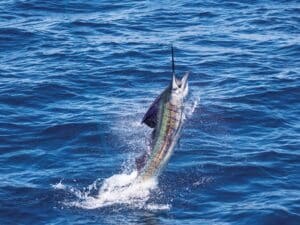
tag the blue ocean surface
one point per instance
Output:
(76, 78)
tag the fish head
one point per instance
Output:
(179, 88)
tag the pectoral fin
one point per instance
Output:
(141, 161)
(150, 118)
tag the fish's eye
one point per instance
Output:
(176, 90)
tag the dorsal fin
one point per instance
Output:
(150, 118)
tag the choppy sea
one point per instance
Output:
(76, 78)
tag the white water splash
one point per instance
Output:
(190, 105)
(59, 186)
(117, 189)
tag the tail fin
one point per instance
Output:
(173, 62)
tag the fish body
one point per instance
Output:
(165, 116)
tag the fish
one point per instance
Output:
(165, 116)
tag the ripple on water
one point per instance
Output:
(76, 78)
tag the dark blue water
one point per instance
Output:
(76, 78)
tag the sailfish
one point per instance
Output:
(165, 116)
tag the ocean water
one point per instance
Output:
(76, 78)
